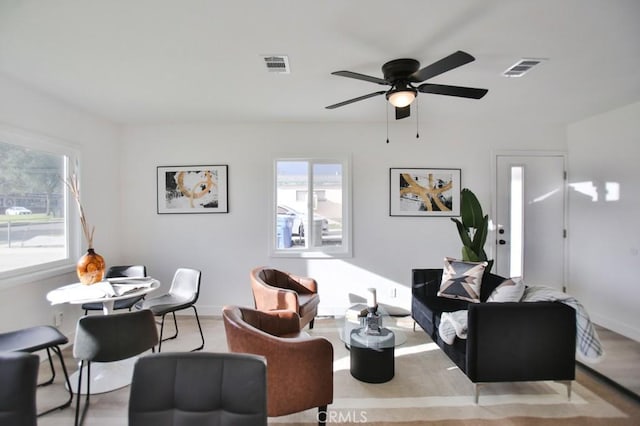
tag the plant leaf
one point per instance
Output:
(464, 233)
(480, 236)
(470, 209)
(469, 255)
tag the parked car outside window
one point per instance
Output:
(296, 216)
(300, 220)
(17, 210)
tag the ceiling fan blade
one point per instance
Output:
(403, 112)
(359, 98)
(450, 62)
(462, 92)
(364, 77)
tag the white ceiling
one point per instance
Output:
(159, 61)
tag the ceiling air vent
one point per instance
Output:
(277, 63)
(521, 67)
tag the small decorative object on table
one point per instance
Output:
(373, 319)
(90, 267)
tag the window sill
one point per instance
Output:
(8, 281)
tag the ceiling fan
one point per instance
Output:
(402, 74)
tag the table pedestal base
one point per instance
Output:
(105, 376)
(372, 365)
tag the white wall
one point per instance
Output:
(227, 246)
(24, 304)
(604, 241)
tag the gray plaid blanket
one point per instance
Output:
(588, 345)
(587, 340)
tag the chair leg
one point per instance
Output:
(67, 403)
(322, 415)
(175, 322)
(175, 325)
(53, 370)
(199, 328)
(160, 340)
(311, 323)
(80, 417)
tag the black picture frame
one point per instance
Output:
(427, 192)
(192, 189)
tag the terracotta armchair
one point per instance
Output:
(299, 367)
(277, 290)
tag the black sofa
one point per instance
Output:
(506, 342)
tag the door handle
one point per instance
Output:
(502, 242)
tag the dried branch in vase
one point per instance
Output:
(72, 184)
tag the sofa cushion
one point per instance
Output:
(462, 279)
(426, 311)
(510, 290)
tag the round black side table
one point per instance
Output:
(372, 355)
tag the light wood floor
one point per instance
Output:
(111, 408)
(621, 363)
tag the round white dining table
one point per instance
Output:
(105, 376)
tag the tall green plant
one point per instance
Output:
(473, 228)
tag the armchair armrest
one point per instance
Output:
(300, 375)
(277, 323)
(520, 341)
(269, 298)
(303, 284)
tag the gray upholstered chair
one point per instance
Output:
(194, 389)
(19, 378)
(116, 272)
(33, 339)
(183, 294)
(108, 338)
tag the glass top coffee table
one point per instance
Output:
(371, 343)
(354, 319)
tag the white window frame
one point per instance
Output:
(41, 271)
(345, 250)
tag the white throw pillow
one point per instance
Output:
(510, 290)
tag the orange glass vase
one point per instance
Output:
(90, 268)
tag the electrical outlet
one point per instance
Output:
(57, 319)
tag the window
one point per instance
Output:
(311, 208)
(35, 234)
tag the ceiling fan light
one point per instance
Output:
(401, 98)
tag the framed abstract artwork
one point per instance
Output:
(424, 192)
(193, 189)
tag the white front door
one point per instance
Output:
(530, 218)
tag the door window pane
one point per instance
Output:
(517, 221)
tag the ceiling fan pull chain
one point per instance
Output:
(417, 120)
(387, 111)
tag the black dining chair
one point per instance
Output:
(118, 272)
(33, 339)
(178, 388)
(108, 338)
(19, 378)
(183, 294)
